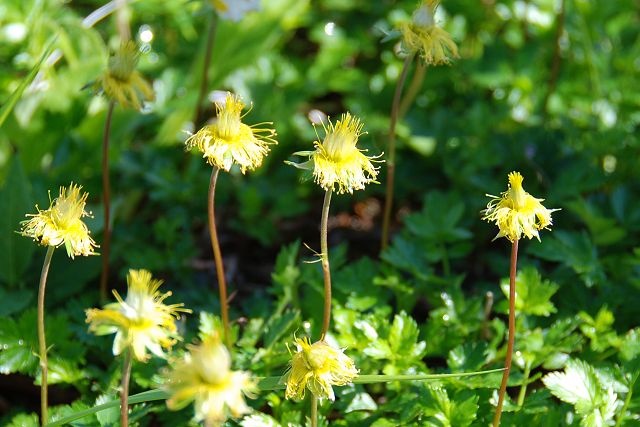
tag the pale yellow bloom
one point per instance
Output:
(121, 82)
(423, 35)
(318, 367)
(337, 163)
(142, 321)
(204, 376)
(228, 140)
(62, 223)
(517, 212)
(235, 10)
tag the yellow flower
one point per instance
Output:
(62, 223)
(318, 366)
(517, 212)
(229, 141)
(204, 375)
(142, 321)
(121, 82)
(424, 36)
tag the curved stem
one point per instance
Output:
(211, 35)
(391, 158)
(44, 416)
(124, 393)
(106, 199)
(625, 406)
(525, 383)
(314, 411)
(512, 332)
(326, 271)
(122, 20)
(412, 90)
(217, 256)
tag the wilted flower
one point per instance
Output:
(234, 10)
(142, 321)
(318, 367)
(62, 223)
(204, 375)
(517, 212)
(121, 82)
(424, 36)
(229, 141)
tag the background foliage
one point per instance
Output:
(421, 306)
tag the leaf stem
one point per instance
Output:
(414, 87)
(124, 392)
(106, 199)
(44, 367)
(525, 383)
(512, 332)
(326, 270)
(391, 158)
(217, 256)
(314, 411)
(627, 400)
(211, 36)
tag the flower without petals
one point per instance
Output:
(204, 376)
(424, 36)
(141, 321)
(228, 140)
(517, 212)
(318, 367)
(62, 223)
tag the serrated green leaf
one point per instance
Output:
(24, 420)
(533, 295)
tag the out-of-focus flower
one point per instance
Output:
(517, 212)
(141, 321)
(318, 367)
(228, 140)
(422, 35)
(204, 376)
(234, 10)
(121, 82)
(62, 223)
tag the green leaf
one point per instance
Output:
(259, 420)
(17, 342)
(468, 356)
(444, 412)
(24, 420)
(533, 295)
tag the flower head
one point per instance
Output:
(234, 10)
(204, 375)
(141, 321)
(229, 141)
(517, 212)
(424, 36)
(62, 223)
(318, 367)
(121, 82)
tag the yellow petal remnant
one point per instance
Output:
(517, 212)
(229, 141)
(423, 35)
(141, 321)
(318, 367)
(338, 162)
(62, 223)
(121, 82)
(204, 375)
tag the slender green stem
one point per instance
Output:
(217, 256)
(106, 201)
(326, 271)
(413, 89)
(124, 392)
(391, 156)
(488, 306)
(512, 332)
(627, 400)
(211, 36)
(44, 367)
(525, 383)
(314, 411)
(122, 20)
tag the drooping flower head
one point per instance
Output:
(121, 82)
(62, 223)
(234, 10)
(318, 367)
(228, 140)
(204, 376)
(142, 321)
(422, 35)
(517, 212)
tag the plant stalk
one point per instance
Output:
(391, 158)
(44, 367)
(512, 332)
(124, 393)
(217, 256)
(413, 89)
(525, 383)
(106, 199)
(314, 411)
(211, 36)
(326, 271)
(625, 406)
